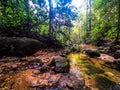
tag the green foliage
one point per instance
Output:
(98, 21)
(19, 14)
(76, 48)
(32, 15)
(104, 20)
(73, 48)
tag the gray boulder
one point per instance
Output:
(61, 64)
(92, 52)
(19, 46)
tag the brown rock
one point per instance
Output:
(61, 64)
(71, 82)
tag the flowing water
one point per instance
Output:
(97, 74)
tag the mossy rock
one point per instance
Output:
(19, 46)
(92, 53)
(61, 64)
(36, 61)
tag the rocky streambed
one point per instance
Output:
(47, 70)
(38, 72)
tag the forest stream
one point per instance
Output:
(15, 74)
(59, 44)
(97, 75)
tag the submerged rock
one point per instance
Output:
(61, 64)
(19, 46)
(70, 82)
(60, 82)
(36, 61)
(92, 53)
(44, 68)
(115, 87)
(117, 64)
(109, 74)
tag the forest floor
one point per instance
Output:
(17, 74)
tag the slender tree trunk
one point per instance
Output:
(87, 22)
(28, 14)
(86, 17)
(118, 29)
(50, 16)
(90, 16)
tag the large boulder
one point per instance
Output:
(19, 46)
(47, 39)
(61, 64)
(92, 52)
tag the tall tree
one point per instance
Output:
(88, 18)
(27, 8)
(50, 16)
(61, 15)
(90, 15)
(86, 15)
(64, 13)
(118, 29)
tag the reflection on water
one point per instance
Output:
(75, 72)
(96, 74)
(74, 69)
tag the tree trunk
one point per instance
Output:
(118, 29)
(86, 17)
(90, 16)
(50, 16)
(28, 14)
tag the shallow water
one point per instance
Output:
(97, 75)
